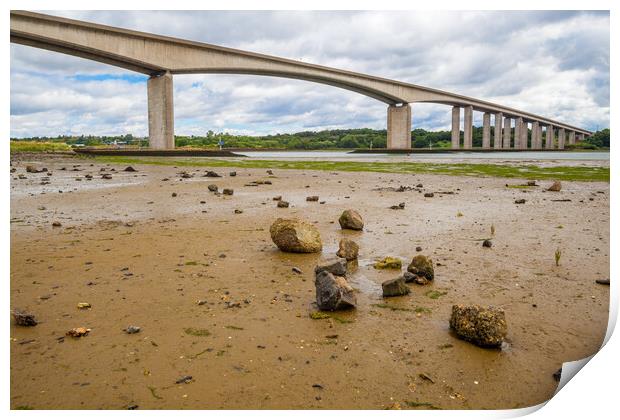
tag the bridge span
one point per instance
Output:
(161, 57)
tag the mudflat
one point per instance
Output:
(216, 301)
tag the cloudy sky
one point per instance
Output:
(551, 63)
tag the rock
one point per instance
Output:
(531, 184)
(106, 176)
(312, 198)
(422, 267)
(395, 287)
(174, 194)
(487, 243)
(556, 186)
(333, 292)
(184, 379)
(33, 170)
(520, 201)
(336, 266)
(56, 224)
(132, 329)
(557, 375)
(228, 191)
(294, 235)
(277, 198)
(398, 207)
(212, 174)
(233, 173)
(418, 249)
(186, 175)
(296, 270)
(429, 195)
(603, 281)
(350, 219)
(78, 332)
(409, 277)
(348, 249)
(83, 305)
(483, 326)
(212, 187)
(283, 204)
(129, 169)
(24, 319)
(388, 263)
(238, 211)
(269, 171)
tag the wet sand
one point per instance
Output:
(142, 257)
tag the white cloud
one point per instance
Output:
(552, 63)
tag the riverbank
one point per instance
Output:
(216, 300)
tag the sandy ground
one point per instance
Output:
(142, 257)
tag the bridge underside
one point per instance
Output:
(161, 57)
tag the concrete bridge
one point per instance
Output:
(161, 57)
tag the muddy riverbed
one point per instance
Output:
(216, 300)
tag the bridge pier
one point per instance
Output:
(507, 132)
(456, 127)
(468, 120)
(399, 126)
(161, 111)
(561, 138)
(571, 137)
(524, 135)
(549, 137)
(486, 130)
(536, 135)
(497, 135)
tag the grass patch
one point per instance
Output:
(197, 332)
(390, 307)
(562, 173)
(38, 147)
(154, 393)
(232, 327)
(324, 315)
(435, 294)
(416, 404)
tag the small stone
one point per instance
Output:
(312, 198)
(395, 287)
(237, 211)
(348, 249)
(422, 267)
(174, 194)
(556, 186)
(78, 332)
(483, 326)
(603, 281)
(418, 249)
(106, 176)
(520, 201)
(212, 174)
(336, 266)
(333, 292)
(277, 198)
(283, 204)
(487, 243)
(24, 319)
(269, 171)
(129, 169)
(350, 219)
(212, 187)
(296, 270)
(56, 224)
(83, 305)
(132, 329)
(184, 379)
(531, 184)
(233, 173)
(429, 195)
(557, 375)
(228, 191)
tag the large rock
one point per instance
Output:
(422, 267)
(395, 287)
(333, 292)
(483, 326)
(336, 266)
(294, 235)
(348, 249)
(350, 219)
(556, 186)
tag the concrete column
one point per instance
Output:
(467, 126)
(486, 131)
(507, 132)
(497, 137)
(399, 127)
(161, 111)
(561, 138)
(549, 137)
(518, 128)
(579, 137)
(456, 127)
(524, 135)
(535, 132)
(571, 137)
(540, 142)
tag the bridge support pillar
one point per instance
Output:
(535, 135)
(486, 130)
(497, 134)
(468, 121)
(456, 127)
(561, 138)
(580, 137)
(399, 127)
(549, 137)
(524, 135)
(571, 137)
(518, 128)
(161, 111)
(507, 132)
